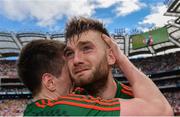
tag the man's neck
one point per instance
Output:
(48, 95)
(44, 96)
(109, 91)
(106, 90)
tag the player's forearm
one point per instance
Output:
(142, 86)
(138, 80)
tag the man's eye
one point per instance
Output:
(69, 54)
(86, 49)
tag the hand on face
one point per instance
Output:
(114, 47)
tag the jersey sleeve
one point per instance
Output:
(75, 105)
(125, 92)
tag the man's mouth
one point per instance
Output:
(77, 71)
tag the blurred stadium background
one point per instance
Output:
(156, 53)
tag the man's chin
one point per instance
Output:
(83, 78)
(82, 81)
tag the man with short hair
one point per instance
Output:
(90, 62)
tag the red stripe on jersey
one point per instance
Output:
(126, 87)
(91, 98)
(40, 105)
(105, 100)
(127, 92)
(95, 100)
(43, 102)
(85, 106)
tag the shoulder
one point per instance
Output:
(41, 108)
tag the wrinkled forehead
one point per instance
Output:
(90, 36)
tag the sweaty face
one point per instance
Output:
(86, 58)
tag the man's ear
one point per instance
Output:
(110, 57)
(48, 81)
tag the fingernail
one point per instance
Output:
(104, 36)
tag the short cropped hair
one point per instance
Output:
(39, 57)
(78, 25)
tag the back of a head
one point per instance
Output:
(39, 57)
(78, 25)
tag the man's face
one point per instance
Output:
(86, 58)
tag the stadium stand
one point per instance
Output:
(13, 107)
(161, 65)
(164, 70)
(7, 69)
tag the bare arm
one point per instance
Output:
(148, 99)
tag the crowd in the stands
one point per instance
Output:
(8, 69)
(157, 64)
(13, 107)
(174, 100)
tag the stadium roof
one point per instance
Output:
(174, 8)
(11, 43)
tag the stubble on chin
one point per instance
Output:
(97, 81)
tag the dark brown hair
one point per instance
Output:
(78, 25)
(39, 57)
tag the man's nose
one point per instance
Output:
(78, 59)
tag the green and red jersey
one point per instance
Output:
(74, 105)
(123, 91)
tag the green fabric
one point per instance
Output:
(120, 94)
(68, 110)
